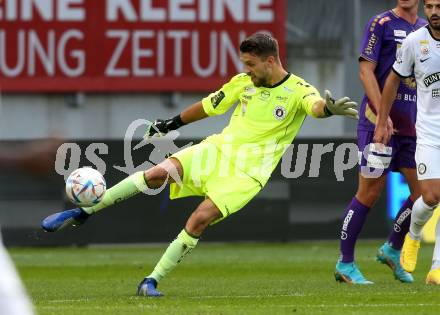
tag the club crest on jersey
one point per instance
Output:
(279, 112)
(424, 47)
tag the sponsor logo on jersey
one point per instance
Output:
(288, 90)
(436, 93)
(371, 44)
(250, 89)
(264, 95)
(399, 33)
(282, 98)
(406, 97)
(217, 98)
(243, 107)
(431, 79)
(424, 59)
(279, 112)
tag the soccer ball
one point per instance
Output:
(85, 187)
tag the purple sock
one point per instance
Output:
(354, 218)
(401, 225)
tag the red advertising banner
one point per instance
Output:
(128, 45)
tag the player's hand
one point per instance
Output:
(383, 133)
(343, 106)
(390, 126)
(161, 127)
(158, 127)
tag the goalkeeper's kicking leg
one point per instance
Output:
(169, 171)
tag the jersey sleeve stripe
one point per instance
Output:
(401, 75)
(362, 56)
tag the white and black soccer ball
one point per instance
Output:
(85, 187)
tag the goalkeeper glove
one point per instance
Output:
(343, 106)
(161, 126)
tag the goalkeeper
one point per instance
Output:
(271, 105)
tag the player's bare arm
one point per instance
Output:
(369, 82)
(193, 113)
(371, 86)
(382, 133)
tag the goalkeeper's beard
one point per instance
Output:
(259, 81)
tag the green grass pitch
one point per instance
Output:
(238, 278)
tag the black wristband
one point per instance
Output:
(175, 123)
(327, 111)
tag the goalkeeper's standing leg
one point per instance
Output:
(169, 170)
(186, 240)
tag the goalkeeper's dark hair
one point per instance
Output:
(262, 45)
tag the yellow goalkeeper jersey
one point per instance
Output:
(264, 122)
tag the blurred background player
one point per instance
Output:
(36, 158)
(383, 36)
(420, 54)
(272, 105)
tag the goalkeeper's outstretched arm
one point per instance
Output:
(192, 113)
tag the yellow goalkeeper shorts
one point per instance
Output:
(207, 172)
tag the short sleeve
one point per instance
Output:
(404, 64)
(309, 95)
(219, 102)
(372, 40)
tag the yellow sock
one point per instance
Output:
(125, 189)
(174, 254)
